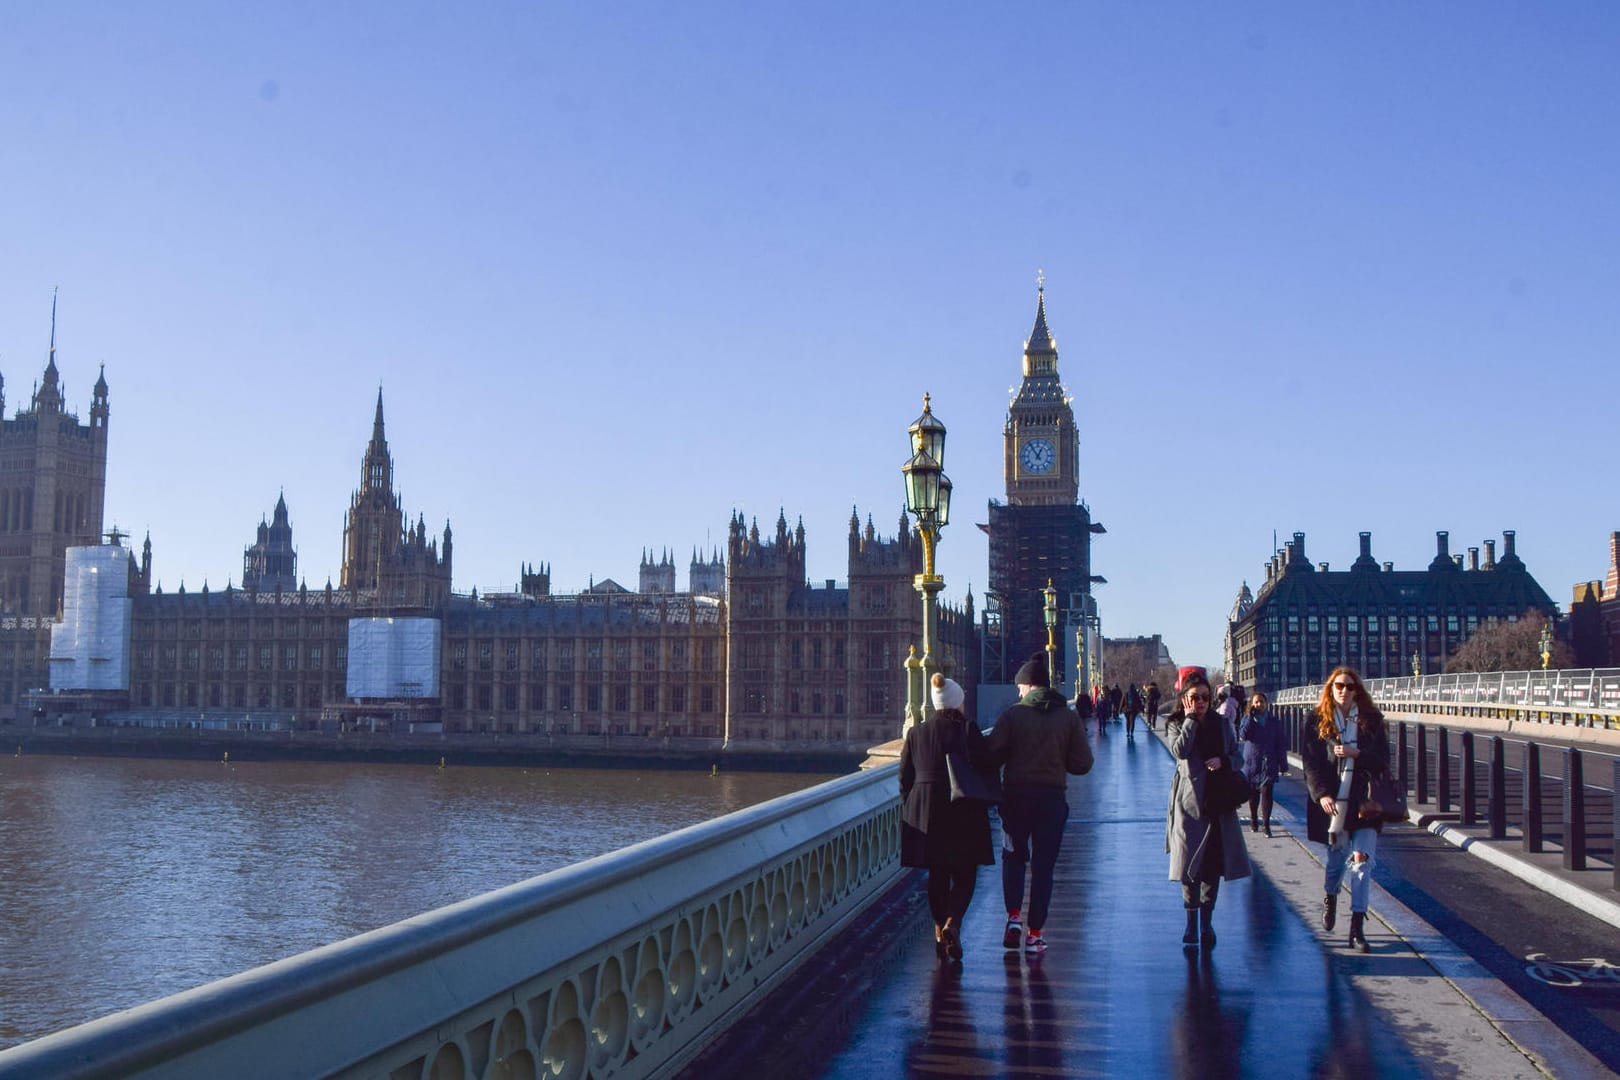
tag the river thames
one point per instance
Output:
(124, 880)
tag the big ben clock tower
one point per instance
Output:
(1040, 442)
(1042, 532)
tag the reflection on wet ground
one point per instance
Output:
(1115, 994)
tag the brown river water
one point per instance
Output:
(123, 880)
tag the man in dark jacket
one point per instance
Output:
(1038, 743)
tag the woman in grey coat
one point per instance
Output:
(1203, 847)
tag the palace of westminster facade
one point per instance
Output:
(752, 653)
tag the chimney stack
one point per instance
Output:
(1490, 555)
(1473, 558)
(1389, 567)
(1299, 546)
(1613, 583)
(1456, 560)
(1366, 545)
(1442, 544)
(1322, 566)
(1507, 544)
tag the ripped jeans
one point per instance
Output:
(1363, 840)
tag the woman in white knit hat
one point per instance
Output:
(951, 840)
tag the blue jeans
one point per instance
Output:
(1362, 840)
(1031, 832)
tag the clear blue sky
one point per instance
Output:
(623, 268)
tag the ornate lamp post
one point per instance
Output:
(1049, 612)
(928, 495)
(1546, 645)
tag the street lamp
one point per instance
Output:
(1417, 664)
(1546, 645)
(928, 495)
(1049, 612)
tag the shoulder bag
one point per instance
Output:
(968, 782)
(1383, 801)
(1225, 790)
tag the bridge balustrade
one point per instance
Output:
(1587, 697)
(624, 965)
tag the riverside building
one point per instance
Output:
(752, 653)
(1384, 622)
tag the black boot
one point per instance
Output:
(1205, 930)
(1358, 940)
(1190, 938)
(1330, 908)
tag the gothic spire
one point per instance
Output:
(378, 467)
(1040, 338)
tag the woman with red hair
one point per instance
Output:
(1349, 747)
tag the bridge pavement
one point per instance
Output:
(1115, 994)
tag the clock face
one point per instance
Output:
(1037, 456)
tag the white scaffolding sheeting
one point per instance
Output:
(90, 646)
(393, 658)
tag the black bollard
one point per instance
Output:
(1442, 772)
(1497, 808)
(1423, 764)
(1403, 776)
(1615, 855)
(1574, 812)
(1470, 812)
(1532, 797)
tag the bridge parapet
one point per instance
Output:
(624, 965)
(1580, 697)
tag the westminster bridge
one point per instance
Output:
(786, 939)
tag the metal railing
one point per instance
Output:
(1588, 697)
(624, 965)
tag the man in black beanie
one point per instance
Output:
(1039, 742)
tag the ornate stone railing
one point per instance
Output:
(621, 966)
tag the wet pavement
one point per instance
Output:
(1115, 994)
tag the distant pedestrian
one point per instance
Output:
(1229, 706)
(1040, 742)
(951, 840)
(1133, 708)
(1348, 747)
(1204, 845)
(1153, 700)
(1265, 757)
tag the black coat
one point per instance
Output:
(1322, 777)
(933, 830)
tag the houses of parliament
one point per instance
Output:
(752, 653)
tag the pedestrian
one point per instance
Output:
(1133, 707)
(949, 839)
(1204, 844)
(1105, 709)
(1153, 699)
(1227, 703)
(1265, 757)
(1349, 745)
(1038, 742)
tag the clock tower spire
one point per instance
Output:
(1041, 444)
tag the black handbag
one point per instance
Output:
(968, 782)
(1382, 801)
(1225, 790)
